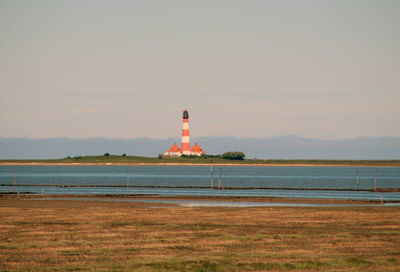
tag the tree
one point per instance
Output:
(234, 155)
(107, 155)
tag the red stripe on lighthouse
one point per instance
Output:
(185, 147)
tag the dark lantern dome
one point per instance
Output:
(185, 114)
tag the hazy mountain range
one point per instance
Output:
(286, 147)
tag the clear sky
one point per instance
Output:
(127, 69)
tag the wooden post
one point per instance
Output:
(358, 185)
(127, 179)
(211, 173)
(220, 174)
(15, 176)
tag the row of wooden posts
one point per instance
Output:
(358, 183)
(212, 178)
(128, 174)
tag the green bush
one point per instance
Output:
(206, 156)
(234, 155)
(189, 156)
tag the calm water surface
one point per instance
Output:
(232, 176)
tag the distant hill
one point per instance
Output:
(286, 147)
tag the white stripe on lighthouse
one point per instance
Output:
(185, 125)
(185, 139)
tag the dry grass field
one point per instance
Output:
(60, 235)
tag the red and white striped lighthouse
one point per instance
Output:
(185, 134)
(175, 151)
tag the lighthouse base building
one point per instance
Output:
(176, 151)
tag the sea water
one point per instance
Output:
(267, 180)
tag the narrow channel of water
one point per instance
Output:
(204, 203)
(351, 195)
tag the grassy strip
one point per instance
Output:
(103, 236)
(171, 160)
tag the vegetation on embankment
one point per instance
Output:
(118, 159)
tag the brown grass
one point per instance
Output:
(56, 235)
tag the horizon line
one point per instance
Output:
(210, 136)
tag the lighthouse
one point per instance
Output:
(185, 149)
(185, 134)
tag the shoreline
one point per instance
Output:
(155, 198)
(199, 164)
(380, 189)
